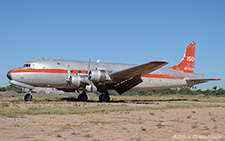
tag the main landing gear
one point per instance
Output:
(82, 96)
(28, 97)
(104, 97)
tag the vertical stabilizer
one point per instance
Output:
(188, 61)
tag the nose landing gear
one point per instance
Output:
(28, 97)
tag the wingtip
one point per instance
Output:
(216, 79)
(159, 62)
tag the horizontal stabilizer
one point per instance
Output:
(194, 81)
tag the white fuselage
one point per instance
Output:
(54, 73)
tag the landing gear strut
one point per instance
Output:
(82, 96)
(28, 97)
(104, 97)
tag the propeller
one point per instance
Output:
(90, 85)
(83, 79)
(89, 65)
(68, 76)
(89, 68)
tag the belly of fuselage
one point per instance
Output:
(159, 83)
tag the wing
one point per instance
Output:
(128, 78)
(139, 70)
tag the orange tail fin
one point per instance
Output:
(188, 61)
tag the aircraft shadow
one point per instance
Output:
(151, 101)
(164, 100)
(122, 101)
(75, 99)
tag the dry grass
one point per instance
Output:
(167, 117)
(15, 107)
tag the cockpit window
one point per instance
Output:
(26, 65)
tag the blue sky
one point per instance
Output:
(120, 31)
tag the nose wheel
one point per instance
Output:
(28, 97)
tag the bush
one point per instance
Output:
(11, 87)
(185, 90)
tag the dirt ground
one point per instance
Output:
(143, 125)
(135, 125)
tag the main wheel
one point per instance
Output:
(28, 97)
(82, 97)
(104, 98)
(101, 98)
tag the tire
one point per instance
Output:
(82, 97)
(79, 97)
(106, 98)
(28, 97)
(101, 98)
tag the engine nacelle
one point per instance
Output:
(97, 76)
(75, 81)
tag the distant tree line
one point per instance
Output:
(183, 90)
(11, 87)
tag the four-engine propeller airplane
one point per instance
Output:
(89, 76)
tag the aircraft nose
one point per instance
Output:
(9, 75)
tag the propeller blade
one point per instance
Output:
(68, 72)
(68, 76)
(89, 65)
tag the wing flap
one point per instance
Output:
(128, 84)
(139, 70)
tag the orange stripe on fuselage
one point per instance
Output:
(40, 70)
(84, 71)
(47, 71)
(163, 76)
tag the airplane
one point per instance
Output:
(80, 76)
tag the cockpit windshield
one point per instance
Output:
(26, 65)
